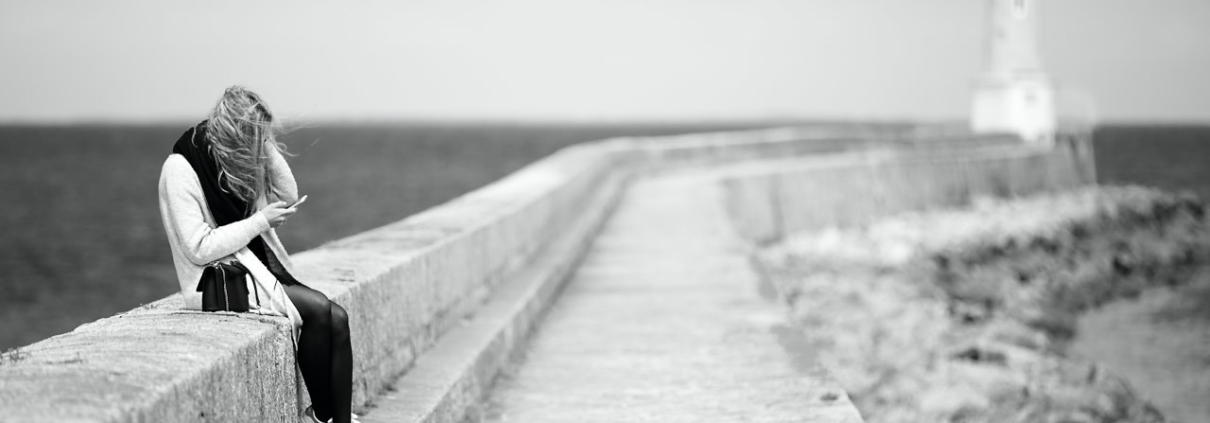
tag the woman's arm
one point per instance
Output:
(183, 202)
(282, 177)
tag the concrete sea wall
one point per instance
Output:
(770, 200)
(418, 289)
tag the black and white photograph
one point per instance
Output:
(591, 211)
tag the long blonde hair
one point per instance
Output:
(242, 130)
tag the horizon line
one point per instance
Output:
(705, 121)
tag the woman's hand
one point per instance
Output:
(277, 213)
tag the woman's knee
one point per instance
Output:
(339, 321)
(313, 306)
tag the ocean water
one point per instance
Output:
(80, 231)
(1174, 158)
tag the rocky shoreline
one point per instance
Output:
(967, 314)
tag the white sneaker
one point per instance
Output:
(310, 413)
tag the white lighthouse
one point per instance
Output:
(1013, 95)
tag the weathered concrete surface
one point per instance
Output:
(407, 283)
(156, 364)
(453, 376)
(404, 284)
(663, 322)
(772, 199)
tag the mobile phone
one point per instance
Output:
(296, 203)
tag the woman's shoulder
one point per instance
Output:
(178, 172)
(176, 164)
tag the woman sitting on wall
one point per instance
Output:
(223, 190)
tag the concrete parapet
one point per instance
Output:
(406, 285)
(155, 364)
(771, 199)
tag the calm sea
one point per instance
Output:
(81, 238)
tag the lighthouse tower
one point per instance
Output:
(1013, 95)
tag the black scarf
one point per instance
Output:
(225, 206)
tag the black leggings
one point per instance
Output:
(325, 355)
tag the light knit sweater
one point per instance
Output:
(197, 241)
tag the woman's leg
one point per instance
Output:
(325, 354)
(342, 365)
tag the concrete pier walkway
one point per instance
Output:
(661, 318)
(663, 322)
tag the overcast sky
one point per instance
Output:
(578, 60)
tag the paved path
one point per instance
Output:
(663, 322)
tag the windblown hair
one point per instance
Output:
(241, 131)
